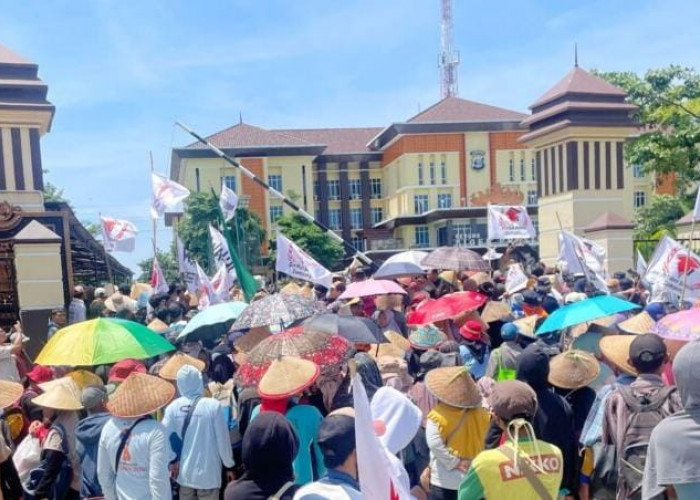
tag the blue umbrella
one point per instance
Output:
(583, 311)
(212, 322)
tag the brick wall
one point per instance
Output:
(249, 188)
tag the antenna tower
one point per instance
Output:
(449, 57)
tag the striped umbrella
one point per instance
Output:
(455, 259)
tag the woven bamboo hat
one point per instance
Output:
(287, 376)
(397, 340)
(638, 324)
(616, 349)
(140, 394)
(9, 392)
(573, 369)
(526, 325)
(81, 378)
(177, 361)
(252, 338)
(158, 326)
(453, 386)
(397, 346)
(64, 394)
(495, 311)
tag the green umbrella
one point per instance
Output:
(213, 322)
(101, 341)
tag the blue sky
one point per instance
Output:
(121, 72)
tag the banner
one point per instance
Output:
(641, 266)
(221, 284)
(509, 223)
(186, 268)
(516, 279)
(118, 235)
(582, 256)
(207, 294)
(696, 208)
(228, 201)
(166, 194)
(295, 262)
(158, 282)
(222, 255)
(669, 266)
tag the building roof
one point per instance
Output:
(7, 56)
(686, 220)
(244, 135)
(36, 231)
(337, 140)
(608, 220)
(454, 109)
(579, 81)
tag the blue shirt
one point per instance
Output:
(335, 484)
(592, 431)
(477, 369)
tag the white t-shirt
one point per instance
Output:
(8, 366)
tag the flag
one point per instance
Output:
(696, 208)
(158, 282)
(670, 265)
(166, 194)
(516, 279)
(228, 201)
(582, 256)
(221, 283)
(186, 268)
(507, 222)
(207, 294)
(295, 262)
(222, 255)
(641, 267)
(118, 235)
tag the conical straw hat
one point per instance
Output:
(495, 311)
(526, 325)
(178, 360)
(287, 376)
(9, 392)
(453, 386)
(616, 349)
(63, 395)
(140, 395)
(573, 369)
(158, 326)
(81, 378)
(638, 324)
(397, 340)
(252, 338)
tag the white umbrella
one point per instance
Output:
(492, 254)
(402, 264)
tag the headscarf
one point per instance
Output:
(399, 415)
(369, 373)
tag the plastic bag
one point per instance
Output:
(27, 456)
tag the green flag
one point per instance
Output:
(248, 283)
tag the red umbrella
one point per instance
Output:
(446, 307)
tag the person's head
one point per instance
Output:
(538, 270)
(58, 316)
(100, 293)
(686, 372)
(125, 289)
(509, 332)
(469, 285)
(269, 447)
(356, 309)
(94, 399)
(511, 400)
(381, 317)
(189, 382)
(648, 353)
(336, 438)
(656, 310)
(359, 275)
(78, 292)
(432, 275)
(533, 367)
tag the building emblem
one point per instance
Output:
(477, 159)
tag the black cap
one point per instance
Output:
(531, 298)
(336, 438)
(647, 352)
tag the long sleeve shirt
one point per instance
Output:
(143, 468)
(443, 471)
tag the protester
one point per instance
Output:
(76, 310)
(8, 354)
(57, 320)
(474, 348)
(87, 436)
(97, 306)
(503, 360)
(10, 485)
(570, 373)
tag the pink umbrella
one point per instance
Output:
(683, 325)
(368, 288)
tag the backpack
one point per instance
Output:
(645, 412)
(60, 486)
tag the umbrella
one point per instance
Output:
(402, 264)
(683, 325)
(456, 259)
(368, 288)
(213, 322)
(446, 307)
(583, 311)
(276, 309)
(492, 254)
(327, 351)
(101, 341)
(354, 329)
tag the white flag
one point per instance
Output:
(207, 294)
(166, 194)
(295, 262)
(118, 235)
(228, 201)
(641, 267)
(516, 279)
(222, 255)
(696, 208)
(667, 270)
(221, 283)
(582, 256)
(187, 268)
(509, 223)
(158, 282)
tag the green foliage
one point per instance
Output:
(669, 109)
(659, 216)
(53, 193)
(94, 228)
(313, 240)
(168, 264)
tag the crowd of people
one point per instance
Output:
(474, 405)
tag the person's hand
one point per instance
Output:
(17, 327)
(463, 465)
(174, 470)
(230, 476)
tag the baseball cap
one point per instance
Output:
(647, 352)
(509, 331)
(513, 398)
(336, 438)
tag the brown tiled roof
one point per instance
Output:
(454, 109)
(579, 81)
(686, 220)
(608, 220)
(337, 140)
(576, 106)
(7, 56)
(244, 135)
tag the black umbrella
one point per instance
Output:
(353, 328)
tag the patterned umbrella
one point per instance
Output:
(277, 309)
(327, 351)
(683, 325)
(455, 259)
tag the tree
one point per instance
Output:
(313, 240)
(656, 220)
(168, 264)
(94, 228)
(55, 194)
(669, 112)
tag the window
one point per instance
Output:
(443, 170)
(637, 171)
(444, 200)
(359, 243)
(356, 218)
(511, 169)
(522, 168)
(229, 181)
(532, 197)
(334, 218)
(640, 199)
(316, 195)
(420, 203)
(275, 182)
(275, 213)
(532, 169)
(432, 170)
(422, 237)
(355, 189)
(377, 215)
(334, 189)
(376, 187)
(421, 179)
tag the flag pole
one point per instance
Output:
(685, 273)
(155, 220)
(104, 248)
